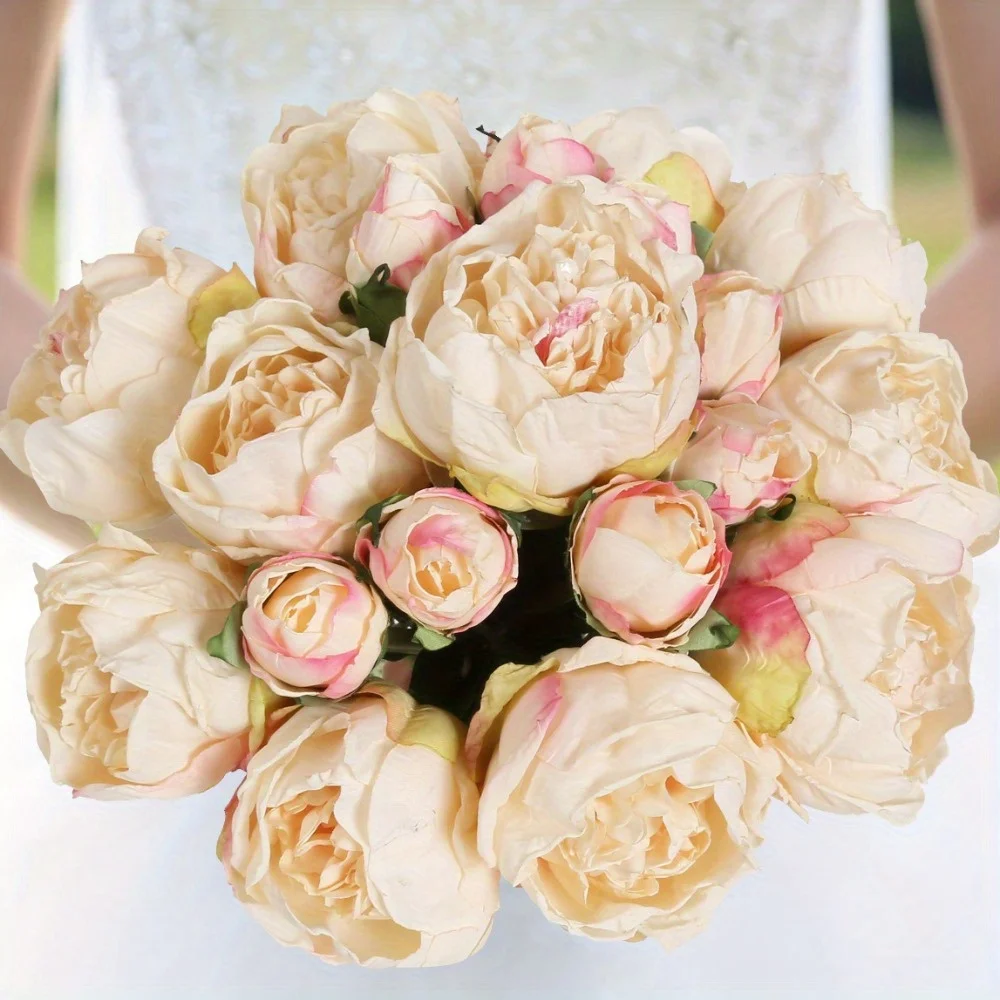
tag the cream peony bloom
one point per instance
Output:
(311, 626)
(126, 699)
(647, 559)
(536, 149)
(886, 606)
(840, 264)
(103, 387)
(354, 836)
(881, 414)
(276, 451)
(548, 348)
(389, 178)
(619, 793)
(692, 165)
(739, 334)
(749, 453)
(442, 557)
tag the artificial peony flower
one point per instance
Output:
(332, 197)
(111, 371)
(749, 453)
(311, 626)
(354, 836)
(857, 683)
(739, 334)
(548, 349)
(536, 149)
(691, 165)
(276, 450)
(647, 559)
(126, 699)
(619, 792)
(442, 557)
(881, 414)
(839, 263)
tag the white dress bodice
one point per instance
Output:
(168, 98)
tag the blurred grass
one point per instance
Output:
(39, 259)
(928, 199)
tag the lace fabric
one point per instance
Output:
(189, 87)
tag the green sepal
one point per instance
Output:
(579, 504)
(533, 520)
(702, 237)
(714, 631)
(700, 486)
(228, 644)
(515, 523)
(373, 515)
(315, 701)
(375, 304)
(432, 640)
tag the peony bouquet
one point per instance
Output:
(552, 509)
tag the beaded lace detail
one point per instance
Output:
(200, 81)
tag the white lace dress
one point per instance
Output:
(162, 101)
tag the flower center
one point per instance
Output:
(97, 707)
(272, 393)
(652, 829)
(313, 850)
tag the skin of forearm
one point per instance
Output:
(964, 306)
(29, 46)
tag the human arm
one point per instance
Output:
(964, 39)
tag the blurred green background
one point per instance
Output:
(929, 200)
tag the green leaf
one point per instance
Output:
(702, 239)
(516, 524)
(533, 520)
(714, 631)
(700, 486)
(228, 644)
(373, 515)
(315, 701)
(399, 638)
(581, 502)
(430, 639)
(375, 304)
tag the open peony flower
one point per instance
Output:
(691, 165)
(882, 619)
(442, 557)
(618, 791)
(549, 348)
(881, 414)
(311, 626)
(536, 149)
(111, 371)
(276, 451)
(739, 334)
(748, 452)
(354, 836)
(647, 559)
(839, 263)
(332, 197)
(126, 700)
